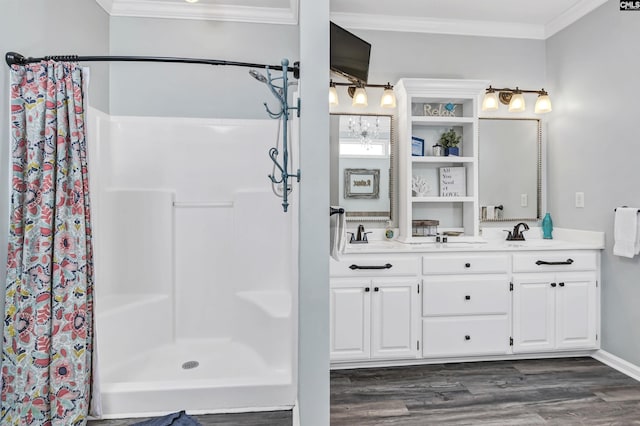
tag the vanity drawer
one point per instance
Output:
(459, 296)
(377, 266)
(555, 261)
(465, 336)
(465, 264)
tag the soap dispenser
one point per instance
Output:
(547, 227)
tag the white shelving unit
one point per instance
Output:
(457, 103)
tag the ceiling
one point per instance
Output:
(534, 19)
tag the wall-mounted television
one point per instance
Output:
(349, 54)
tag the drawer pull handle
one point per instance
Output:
(467, 265)
(561, 284)
(367, 289)
(376, 289)
(553, 284)
(467, 337)
(467, 297)
(386, 266)
(544, 262)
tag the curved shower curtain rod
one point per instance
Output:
(14, 58)
(280, 91)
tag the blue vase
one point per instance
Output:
(547, 227)
(453, 150)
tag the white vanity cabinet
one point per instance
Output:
(555, 301)
(466, 305)
(374, 314)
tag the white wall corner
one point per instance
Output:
(571, 15)
(618, 363)
(107, 5)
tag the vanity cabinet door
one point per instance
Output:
(395, 319)
(350, 319)
(576, 319)
(534, 313)
(554, 312)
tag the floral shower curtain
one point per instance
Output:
(48, 322)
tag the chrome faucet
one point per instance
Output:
(360, 237)
(516, 234)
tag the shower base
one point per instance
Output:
(229, 376)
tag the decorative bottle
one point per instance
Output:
(547, 227)
(388, 232)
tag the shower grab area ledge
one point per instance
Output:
(276, 304)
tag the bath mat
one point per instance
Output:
(173, 419)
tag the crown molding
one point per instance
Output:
(571, 15)
(467, 27)
(184, 10)
(438, 26)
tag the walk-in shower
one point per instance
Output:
(195, 267)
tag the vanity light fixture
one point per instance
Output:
(515, 99)
(357, 91)
(333, 94)
(359, 96)
(191, 1)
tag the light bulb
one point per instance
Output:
(360, 97)
(490, 101)
(388, 99)
(333, 96)
(543, 103)
(517, 102)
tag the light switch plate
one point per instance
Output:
(524, 200)
(579, 199)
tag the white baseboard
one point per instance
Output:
(617, 363)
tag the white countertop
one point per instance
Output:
(564, 239)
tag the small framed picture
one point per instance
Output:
(362, 183)
(417, 146)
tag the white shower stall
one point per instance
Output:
(196, 267)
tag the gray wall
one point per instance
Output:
(594, 147)
(38, 28)
(179, 90)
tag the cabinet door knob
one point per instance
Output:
(376, 289)
(367, 289)
(561, 284)
(467, 337)
(467, 265)
(553, 284)
(467, 297)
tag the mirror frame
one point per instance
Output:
(538, 169)
(375, 216)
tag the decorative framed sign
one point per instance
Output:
(453, 182)
(417, 146)
(362, 183)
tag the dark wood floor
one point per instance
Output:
(566, 391)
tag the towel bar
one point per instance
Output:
(336, 211)
(638, 210)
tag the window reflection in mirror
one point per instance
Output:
(509, 166)
(361, 165)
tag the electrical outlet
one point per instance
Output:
(524, 200)
(579, 199)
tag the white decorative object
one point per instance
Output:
(420, 186)
(453, 182)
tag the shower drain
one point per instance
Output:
(190, 364)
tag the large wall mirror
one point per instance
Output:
(510, 169)
(361, 166)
